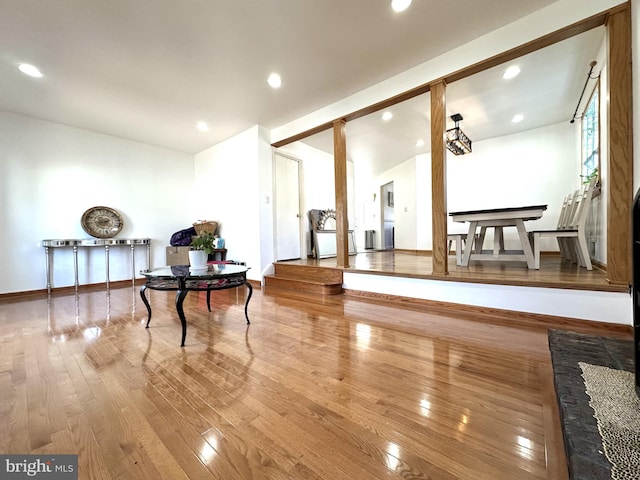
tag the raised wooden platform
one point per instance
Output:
(554, 272)
(305, 278)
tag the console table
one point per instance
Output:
(75, 244)
(182, 279)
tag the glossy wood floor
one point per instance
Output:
(553, 273)
(315, 388)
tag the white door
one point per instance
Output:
(287, 203)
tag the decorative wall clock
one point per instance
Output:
(102, 222)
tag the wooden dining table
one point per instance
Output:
(498, 218)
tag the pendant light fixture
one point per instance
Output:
(457, 142)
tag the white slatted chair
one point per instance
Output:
(571, 201)
(571, 237)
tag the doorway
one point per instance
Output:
(387, 203)
(288, 220)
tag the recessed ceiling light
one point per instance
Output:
(386, 116)
(511, 72)
(274, 80)
(400, 5)
(202, 126)
(30, 70)
(420, 143)
(517, 118)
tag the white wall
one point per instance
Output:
(51, 173)
(233, 185)
(609, 307)
(318, 175)
(404, 217)
(424, 210)
(529, 168)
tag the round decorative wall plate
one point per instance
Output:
(102, 222)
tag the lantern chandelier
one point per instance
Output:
(457, 142)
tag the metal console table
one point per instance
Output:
(94, 242)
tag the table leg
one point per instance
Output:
(209, 299)
(146, 303)
(75, 265)
(526, 245)
(133, 263)
(480, 241)
(246, 303)
(47, 255)
(180, 296)
(469, 245)
(106, 263)
(498, 241)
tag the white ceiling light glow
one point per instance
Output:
(386, 116)
(512, 72)
(517, 118)
(274, 80)
(400, 5)
(420, 143)
(202, 126)
(30, 70)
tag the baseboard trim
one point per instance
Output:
(91, 287)
(497, 315)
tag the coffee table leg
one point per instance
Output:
(209, 299)
(146, 304)
(246, 303)
(179, 299)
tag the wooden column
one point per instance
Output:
(340, 172)
(438, 179)
(619, 180)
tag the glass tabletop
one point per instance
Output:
(216, 270)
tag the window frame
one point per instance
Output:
(584, 154)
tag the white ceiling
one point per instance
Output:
(148, 70)
(546, 93)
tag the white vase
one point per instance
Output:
(198, 258)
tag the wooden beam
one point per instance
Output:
(340, 172)
(619, 174)
(303, 135)
(438, 178)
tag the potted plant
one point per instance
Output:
(202, 246)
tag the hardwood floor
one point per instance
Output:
(553, 273)
(315, 388)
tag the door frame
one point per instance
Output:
(384, 190)
(301, 230)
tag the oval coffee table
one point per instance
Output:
(182, 279)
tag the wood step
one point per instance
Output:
(302, 285)
(311, 273)
(304, 278)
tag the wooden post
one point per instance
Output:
(619, 180)
(340, 172)
(438, 179)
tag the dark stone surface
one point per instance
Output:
(580, 429)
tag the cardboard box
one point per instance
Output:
(177, 256)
